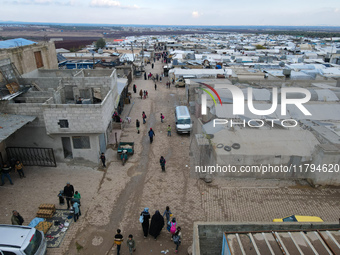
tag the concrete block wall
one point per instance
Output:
(36, 137)
(43, 83)
(327, 156)
(58, 96)
(29, 109)
(40, 100)
(104, 83)
(82, 118)
(92, 154)
(32, 93)
(52, 73)
(98, 73)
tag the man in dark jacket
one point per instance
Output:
(162, 162)
(16, 218)
(68, 193)
(5, 173)
(151, 135)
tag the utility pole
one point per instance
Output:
(133, 55)
(142, 57)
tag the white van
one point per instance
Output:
(21, 240)
(183, 120)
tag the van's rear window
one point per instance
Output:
(33, 246)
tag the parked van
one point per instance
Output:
(21, 240)
(183, 120)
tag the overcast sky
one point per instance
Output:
(175, 12)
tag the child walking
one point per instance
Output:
(131, 244)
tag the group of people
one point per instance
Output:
(155, 77)
(143, 94)
(6, 169)
(72, 199)
(157, 224)
(119, 240)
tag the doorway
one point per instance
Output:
(67, 148)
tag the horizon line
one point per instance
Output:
(157, 25)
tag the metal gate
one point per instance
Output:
(32, 156)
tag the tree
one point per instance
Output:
(100, 43)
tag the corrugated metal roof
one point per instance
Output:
(12, 43)
(9, 123)
(287, 242)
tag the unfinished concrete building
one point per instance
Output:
(73, 130)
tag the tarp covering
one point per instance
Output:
(12, 43)
(9, 123)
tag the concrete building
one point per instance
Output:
(55, 115)
(30, 56)
(72, 130)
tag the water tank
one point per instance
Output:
(287, 72)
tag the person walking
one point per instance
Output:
(162, 117)
(19, 167)
(76, 211)
(144, 94)
(144, 117)
(152, 65)
(177, 238)
(134, 88)
(103, 159)
(118, 240)
(157, 223)
(144, 219)
(145, 76)
(151, 135)
(6, 169)
(169, 130)
(141, 94)
(173, 224)
(16, 218)
(157, 77)
(160, 79)
(155, 86)
(68, 193)
(162, 162)
(131, 244)
(137, 126)
(167, 213)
